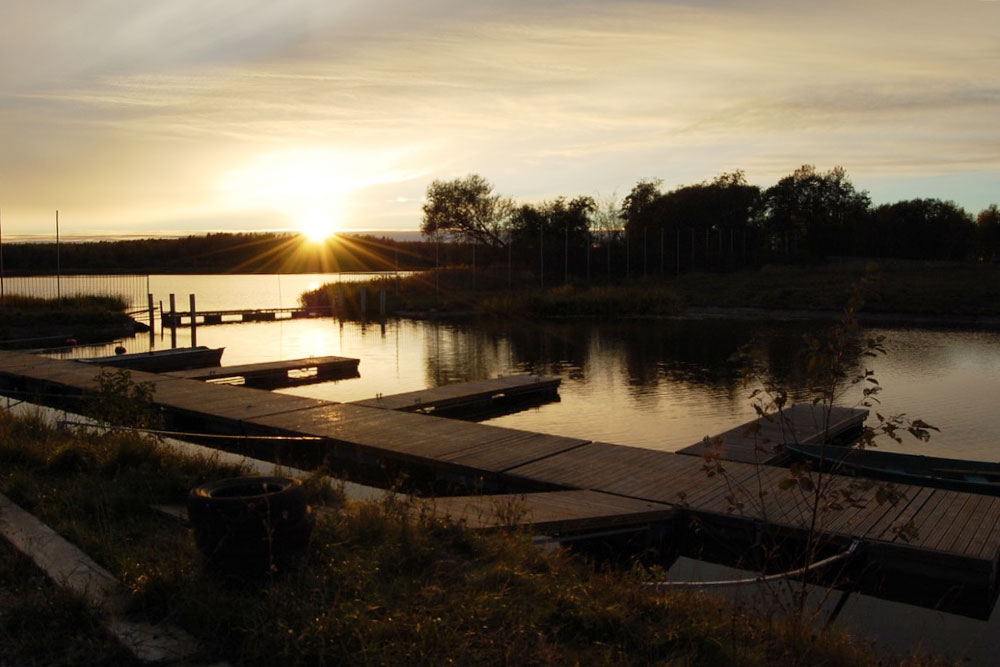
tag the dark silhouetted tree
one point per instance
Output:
(922, 229)
(467, 208)
(988, 233)
(822, 211)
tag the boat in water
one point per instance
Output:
(981, 477)
(163, 361)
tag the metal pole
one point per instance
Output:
(58, 268)
(1, 262)
(194, 322)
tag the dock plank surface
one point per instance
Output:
(464, 393)
(550, 512)
(757, 441)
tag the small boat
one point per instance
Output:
(163, 361)
(956, 474)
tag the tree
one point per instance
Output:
(468, 208)
(988, 232)
(922, 229)
(822, 209)
(640, 208)
(561, 226)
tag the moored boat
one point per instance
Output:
(163, 361)
(956, 474)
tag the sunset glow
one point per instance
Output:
(338, 116)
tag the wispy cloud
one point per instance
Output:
(129, 103)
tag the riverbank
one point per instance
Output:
(28, 322)
(899, 292)
(381, 584)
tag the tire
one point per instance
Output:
(250, 524)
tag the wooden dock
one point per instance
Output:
(276, 373)
(756, 441)
(461, 394)
(208, 317)
(956, 543)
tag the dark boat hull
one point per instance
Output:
(163, 361)
(981, 477)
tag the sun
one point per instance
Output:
(317, 226)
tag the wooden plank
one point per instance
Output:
(975, 508)
(323, 365)
(462, 393)
(551, 512)
(755, 441)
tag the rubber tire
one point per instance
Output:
(250, 524)
(276, 499)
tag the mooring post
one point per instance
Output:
(173, 321)
(194, 322)
(152, 314)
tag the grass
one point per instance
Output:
(85, 317)
(382, 583)
(940, 289)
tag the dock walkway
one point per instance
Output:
(957, 539)
(277, 373)
(465, 393)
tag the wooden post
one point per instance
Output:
(173, 321)
(194, 322)
(152, 321)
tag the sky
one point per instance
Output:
(189, 116)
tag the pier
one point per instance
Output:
(207, 317)
(956, 543)
(462, 394)
(273, 374)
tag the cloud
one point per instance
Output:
(128, 103)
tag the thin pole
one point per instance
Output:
(1, 261)
(58, 268)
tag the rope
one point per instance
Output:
(759, 579)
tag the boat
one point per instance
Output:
(981, 477)
(163, 361)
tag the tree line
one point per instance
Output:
(263, 252)
(807, 215)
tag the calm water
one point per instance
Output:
(657, 384)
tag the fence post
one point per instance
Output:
(381, 303)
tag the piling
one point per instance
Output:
(173, 321)
(149, 305)
(194, 322)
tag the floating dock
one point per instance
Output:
(276, 373)
(955, 544)
(207, 317)
(461, 394)
(759, 441)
